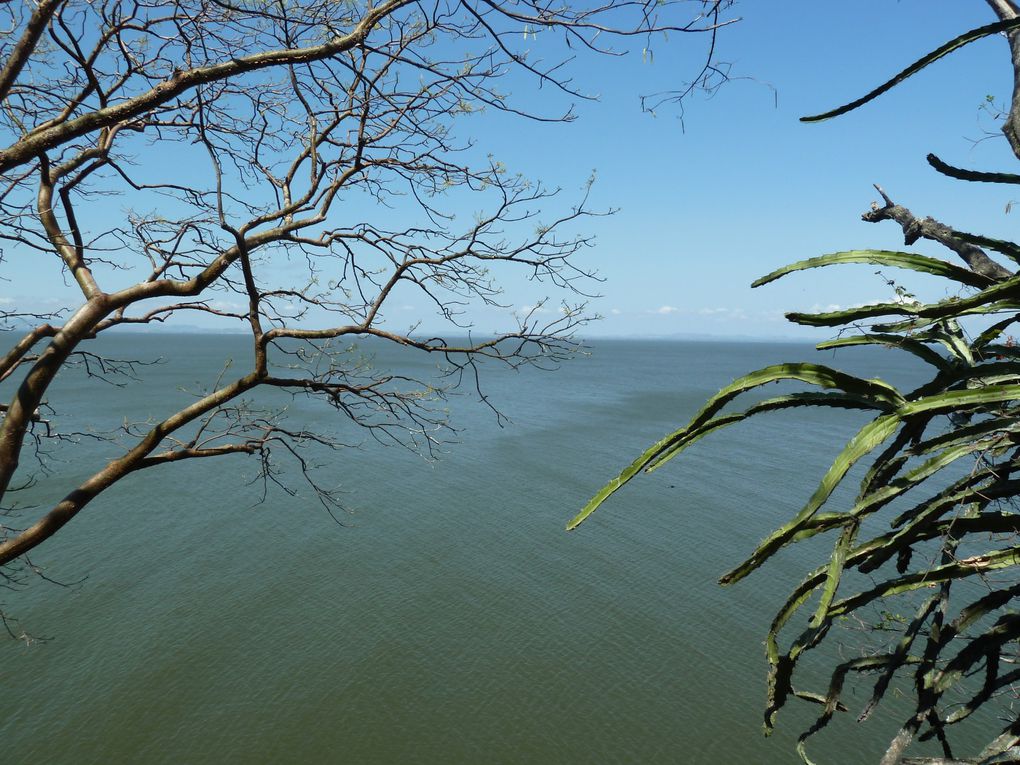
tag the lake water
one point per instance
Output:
(450, 619)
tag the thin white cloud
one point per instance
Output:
(666, 310)
(722, 312)
(833, 307)
(227, 305)
(524, 310)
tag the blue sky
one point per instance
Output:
(745, 187)
(741, 187)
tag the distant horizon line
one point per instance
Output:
(637, 337)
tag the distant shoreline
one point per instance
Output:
(673, 338)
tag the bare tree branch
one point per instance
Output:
(928, 228)
(319, 178)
